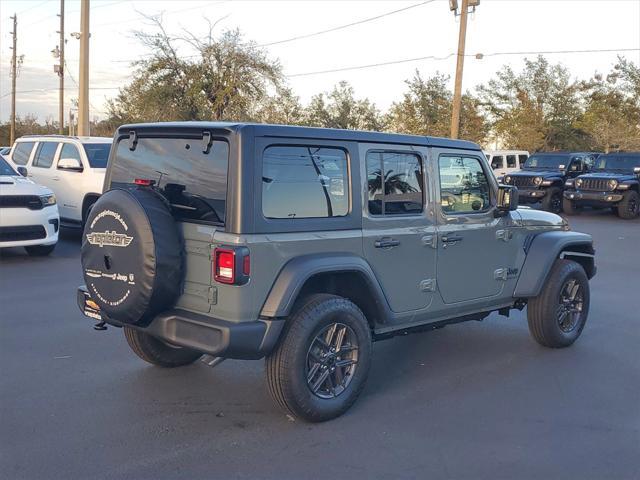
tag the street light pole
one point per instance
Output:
(83, 94)
(14, 74)
(61, 70)
(457, 92)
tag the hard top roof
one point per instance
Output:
(267, 130)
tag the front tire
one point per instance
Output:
(552, 201)
(629, 206)
(557, 316)
(569, 207)
(156, 352)
(40, 250)
(322, 361)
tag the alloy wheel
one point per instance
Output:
(570, 306)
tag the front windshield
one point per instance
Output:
(553, 162)
(618, 162)
(5, 168)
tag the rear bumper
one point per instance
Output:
(582, 197)
(250, 340)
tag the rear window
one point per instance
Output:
(21, 152)
(304, 182)
(44, 155)
(97, 153)
(194, 182)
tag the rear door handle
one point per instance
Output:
(386, 243)
(451, 240)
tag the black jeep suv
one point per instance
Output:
(543, 176)
(614, 183)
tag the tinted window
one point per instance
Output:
(97, 154)
(21, 152)
(511, 161)
(394, 183)
(522, 159)
(69, 151)
(194, 182)
(304, 182)
(44, 155)
(547, 161)
(5, 168)
(464, 187)
(618, 162)
(497, 162)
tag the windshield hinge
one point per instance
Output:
(133, 140)
(206, 141)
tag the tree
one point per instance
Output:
(426, 110)
(227, 79)
(534, 109)
(340, 109)
(284, 108)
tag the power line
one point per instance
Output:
(45, 90)
(495, 54)
(341, 27)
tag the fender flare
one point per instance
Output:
(543, 251)
(297, 271)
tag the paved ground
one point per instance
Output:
(476, 400)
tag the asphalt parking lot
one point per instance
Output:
(475, 400)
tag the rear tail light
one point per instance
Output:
(231, 265)
(145, 182)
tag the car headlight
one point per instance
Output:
(507, 179)
(48, 200)
(537, 181)
(612, 184)
(579, 182)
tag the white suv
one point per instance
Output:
(73, 167)
(28, 213)
(504, 162)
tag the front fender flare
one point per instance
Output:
(297, 271)
(543, 251)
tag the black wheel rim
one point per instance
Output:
(570, 305)
(633, 206)
(332, 360)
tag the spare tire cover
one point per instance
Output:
(132, 255)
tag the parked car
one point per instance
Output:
(73, 167)
(304, 245)
(614, 183)
(28, 213)
(504, 162)
(543, 176)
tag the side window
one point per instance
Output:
(44, 155)
(70, 151)
(394, 183)
(497, 162)
(511, 161)
(576, 165)
(22, 152)
(304, 182)
(522, 159)
(464, 187)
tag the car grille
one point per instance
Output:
(522, 181)
(601, 184)
(16, 234)
(32, 202)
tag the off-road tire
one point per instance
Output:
(552, 201)
(287, 364)
(156, 352)
(542, 311)
(629, 206)
(569, 207)
(40, 250)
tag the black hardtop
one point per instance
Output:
(290, 131)
(561, 154)
(635, 155)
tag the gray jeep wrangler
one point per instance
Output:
(305, 245)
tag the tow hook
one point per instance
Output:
(101, 325)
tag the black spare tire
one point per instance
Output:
(132, 255)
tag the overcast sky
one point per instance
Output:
(429, 29)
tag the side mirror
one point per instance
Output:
(636, 170)
(72, 164)
(507, 198)
(22, 171)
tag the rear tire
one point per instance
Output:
(557, 316)
(296, 368)
(552, 201)
(40, 250)
(629, 207)
(158, 353)
(569, 207)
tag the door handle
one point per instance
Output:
(386, 243)
(451, 240)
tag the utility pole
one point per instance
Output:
(83, 94)
(14, 74)
(61, 70)
(457, 92)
